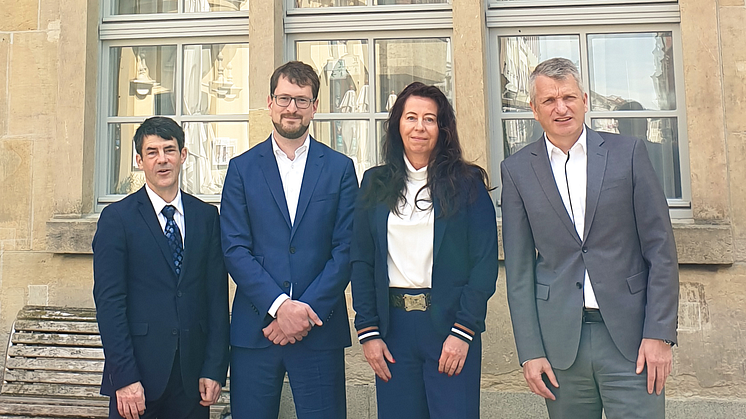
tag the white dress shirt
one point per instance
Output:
(571, 176)
(410, 235)
(291, 175)
(159, 203)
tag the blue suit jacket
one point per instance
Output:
(145, 313)
(464, 264)
(265, 253)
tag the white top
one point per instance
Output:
(159, 203)
(571, 176)
(291, 175)
(410, 236)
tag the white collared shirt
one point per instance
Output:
(158, 204)
(410, 235)
(571, 177)
(291, 175)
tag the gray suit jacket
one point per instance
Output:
(628, 250)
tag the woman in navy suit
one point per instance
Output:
(424, 263)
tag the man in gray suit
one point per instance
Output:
(591, 264)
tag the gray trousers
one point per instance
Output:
(601, 379)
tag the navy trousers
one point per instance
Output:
(317, 379)
(416, 389)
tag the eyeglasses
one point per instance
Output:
(300, 102)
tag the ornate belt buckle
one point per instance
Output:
(415, 302)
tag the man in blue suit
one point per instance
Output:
(161, 290)
(286, 218)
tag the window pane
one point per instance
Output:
(142, 81)
(519, 55)
(216, 79)
(328, 3)
(343, 69)
(403, 61)
(211, 145)
(662, 141)
(130, 7)
(380, 2)
(201, 6)
(631, 71)
(518, 133)
(125, 176)
(350, 138)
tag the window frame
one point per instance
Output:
(678, 208)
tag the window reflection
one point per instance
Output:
(196, 6)
(216, 79)
(631, 71)
(143, 80)
(343, 3)
(403, 61)
(518, 133)
(130, 7)
(350, 137)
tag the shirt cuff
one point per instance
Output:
(369, 333)
(276, 305)
(463, 333)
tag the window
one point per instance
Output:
(185, 59)
(632, 73)
(363, 70)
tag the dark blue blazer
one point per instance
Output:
(145, 313)
(464, 263)
(265, 253)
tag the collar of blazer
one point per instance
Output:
(151, 220)
(381, 221)
(597, 154)
(314, 164)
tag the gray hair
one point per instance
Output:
(557, 69)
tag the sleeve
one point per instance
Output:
(658, 248)
(110, 295)
(328, 287)
(520, 262)
(215, 365)
(362, 260)
(482, 242)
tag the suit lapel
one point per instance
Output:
(271, 172)
(596, 169)
(314, 163)
(151, 220)
(543, 171)
(439, 229)
(190, 225)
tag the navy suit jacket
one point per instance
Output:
(464, 263)
(265, 253)
(627, 248)
(145, 313)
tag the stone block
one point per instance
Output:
(38, 295)
(725, 3)
(4, 60)
(15, 185)
(737, 172)
(71, 235)
(18, 15)
(33, 85)
(49, 12)
(704, 244)
(734, 66)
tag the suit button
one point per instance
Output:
(286, 284)
(585, 250)
(175, 332)
(292, 250)
(179, 294)
(579, 285)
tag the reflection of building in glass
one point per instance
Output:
(518, 58)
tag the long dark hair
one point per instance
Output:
(448, 174)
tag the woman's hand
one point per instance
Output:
(453, 356)
(377, 353)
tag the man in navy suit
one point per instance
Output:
(161, 290)
(286, 219)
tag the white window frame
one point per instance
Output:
(176, 29)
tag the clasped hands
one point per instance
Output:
(292, 323)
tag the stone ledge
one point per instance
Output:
(697, 244)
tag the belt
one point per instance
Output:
(409, 302)
(592, 315)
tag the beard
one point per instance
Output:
(290, 133)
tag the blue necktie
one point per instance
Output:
(173, 234)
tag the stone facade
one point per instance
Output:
(48, 74)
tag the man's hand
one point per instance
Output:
(377, 353)
(532, 372)
(453, 356)
(296, 318)
(131, 401)
(657, 355)
(275, 334)
(209, 390)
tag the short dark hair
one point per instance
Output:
(298, 73)
(161, 126)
